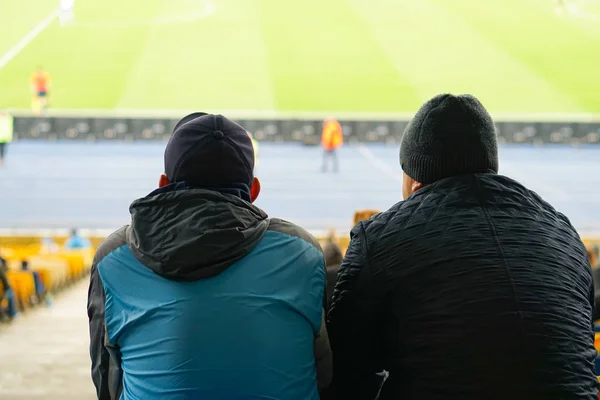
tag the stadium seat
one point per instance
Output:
(363, 215)
(23, 284)
(46, 277)
(54, 270)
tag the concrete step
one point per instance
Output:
(44, 352)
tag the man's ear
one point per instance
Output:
(254, 189)
(163, 181)
(416, 186)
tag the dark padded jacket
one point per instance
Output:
(204, 297)
(472, 288)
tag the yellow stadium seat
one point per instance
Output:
(45, 276)
(23, 285)
(363, 215)
(54, 270)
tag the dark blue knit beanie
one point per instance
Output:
(450, 135)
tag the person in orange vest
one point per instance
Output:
(331, 139)
(40, 87)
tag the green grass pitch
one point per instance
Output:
(309, 55)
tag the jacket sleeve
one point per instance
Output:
(105, 356)
(322, 348)
(323, 357)
(353, 324)
(98, 352)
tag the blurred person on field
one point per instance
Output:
(6, 133)
(203, 295)
(66, 14)
(77, 242)
(331, 139)
(473, 287)
(40, 86)
(333, 260)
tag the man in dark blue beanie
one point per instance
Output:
(473, 287)
(203, 296)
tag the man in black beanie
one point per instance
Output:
(473, 287)
(202, 296)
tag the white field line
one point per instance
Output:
(206, 11)
(380, 165)
(297, 115)
(28, 38)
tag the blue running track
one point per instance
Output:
(68, 184)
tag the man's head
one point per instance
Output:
(210, 151)
(332, 254)
(450, 135)
(74, 232)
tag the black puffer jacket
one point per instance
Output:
(473, 288)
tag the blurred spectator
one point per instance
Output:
(76, 242)
(331, 139)
(6, 133)
(49, 246)
(596, 277)
(472, 288)
(333, 260)
(161, 329)
(7, 293)
(40, 288)
(592, 253)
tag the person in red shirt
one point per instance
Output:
(331, 139)
(40, 86)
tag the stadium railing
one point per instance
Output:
(302, 127)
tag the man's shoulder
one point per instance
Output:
(115, 240)
(378, 222)
(407, 217)
(291, 229)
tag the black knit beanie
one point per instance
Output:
(450, 135)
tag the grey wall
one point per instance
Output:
(287, 130)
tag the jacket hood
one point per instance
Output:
(188, 234)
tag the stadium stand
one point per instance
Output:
(34, 274)
(58, 268)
